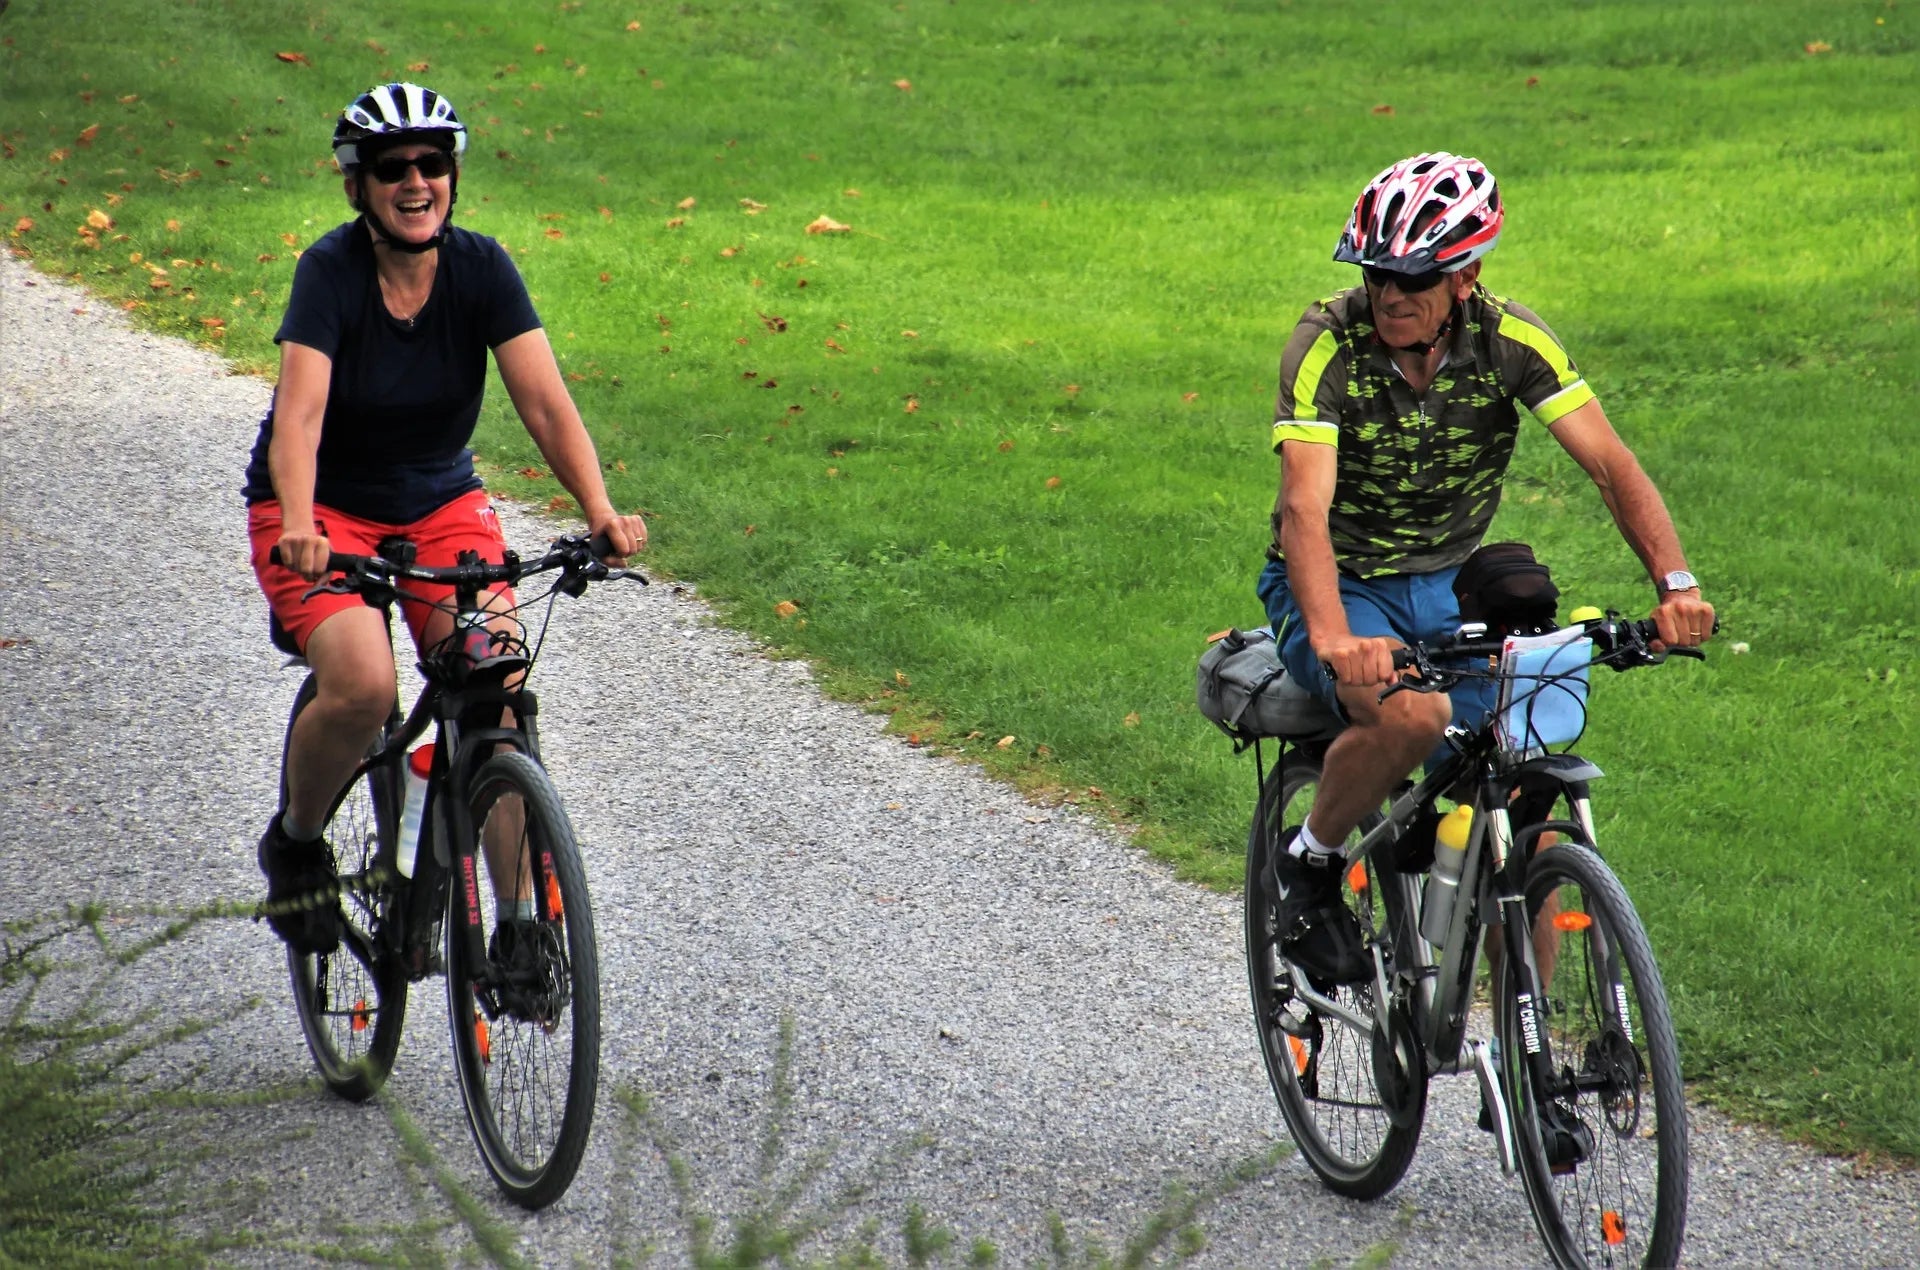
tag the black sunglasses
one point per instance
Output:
(1409, 283)
(392, 169)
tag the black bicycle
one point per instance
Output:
(420, 884)
(1580, 1078)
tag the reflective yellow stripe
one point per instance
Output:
(1305, 430)
(1564, 402)
(1522, 332)
(1306, 384)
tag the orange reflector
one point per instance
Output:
(1299, 1049)
(483, 1037)
(1571, 921)
(360, 1013)
(1613, 1227)
(555, 910)
(1357, 876)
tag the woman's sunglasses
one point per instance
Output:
(1409, 283)
(392, 169)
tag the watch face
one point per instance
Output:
(1678, 580)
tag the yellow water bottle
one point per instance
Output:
(1443, 886)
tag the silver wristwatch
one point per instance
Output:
(1678, 580)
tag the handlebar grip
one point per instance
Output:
(337, 561)
(1402, 658)
(601, 545)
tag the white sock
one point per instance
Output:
(1304, 842)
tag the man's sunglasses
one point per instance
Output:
(392, 169)
(1409, 283)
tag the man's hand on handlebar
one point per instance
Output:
(1684, 619)
(305, 554)
(627, 534)
(1359, 661)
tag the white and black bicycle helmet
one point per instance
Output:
(394, 113)
(1434, 211)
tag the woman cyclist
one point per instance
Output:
(383, 359)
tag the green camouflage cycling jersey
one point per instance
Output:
(1419, 475)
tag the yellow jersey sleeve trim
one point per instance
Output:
(1524, 332)
(1305, 430)
(1306, 381)
(1564, 402)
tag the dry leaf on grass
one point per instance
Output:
(827, 225)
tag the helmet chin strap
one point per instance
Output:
(1423, 347)
(382, 234)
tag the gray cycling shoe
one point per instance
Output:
(303, 892)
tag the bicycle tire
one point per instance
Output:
(352, 1002)
(1626, 1097)
(1344, 1132)
(507, 1040)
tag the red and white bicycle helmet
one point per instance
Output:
(1435, 211)
(397, 112)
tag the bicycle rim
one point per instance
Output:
(351, 1003)
(526, 1037)
(1321, 1068)
(1617, 1103)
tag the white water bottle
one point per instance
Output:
(413, 806)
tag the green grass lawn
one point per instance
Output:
(1004, 444)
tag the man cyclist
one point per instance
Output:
(1395, 422)
(383, 360)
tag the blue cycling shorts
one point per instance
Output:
(1412, 608)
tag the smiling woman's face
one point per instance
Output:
(411, 207)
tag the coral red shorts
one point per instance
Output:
(467, 523)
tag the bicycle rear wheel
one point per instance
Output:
(526, 1021)
(1323, 1069)
(352, 1002)
(1603, 1151)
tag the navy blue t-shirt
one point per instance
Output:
(404, 397)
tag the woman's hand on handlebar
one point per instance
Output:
(626, 534)
(1359, 661)
(305, 554)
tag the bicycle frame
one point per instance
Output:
(468, 732)
(1437, 986)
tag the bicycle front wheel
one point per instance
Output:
(1326, 1070)
(1603, 1148)
(352, 1002)
(526, 1020)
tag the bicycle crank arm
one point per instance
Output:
(1496, 1104)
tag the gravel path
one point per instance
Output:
(1064, 1021)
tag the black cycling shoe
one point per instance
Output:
(303, 892)
(529, 964)
(1318, 932)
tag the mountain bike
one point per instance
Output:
(523, 997)
(1580, 1077)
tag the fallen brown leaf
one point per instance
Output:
(1132, 720)
(752, 208)
(1383, 109)
(900, 678)
(1004, 743)
(560, 503)
(904, 85)
(1189, 396)
(785, 609)
(1818, 47)
(297, 58)
(87, 135)
(827, 225)
(99, 219)
(22, 225)
(1006, 446)
(685, 205)
(1053, 482)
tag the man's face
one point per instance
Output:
(1406, 317)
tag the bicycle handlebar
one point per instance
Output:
(1619, 642)
(576, 555)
